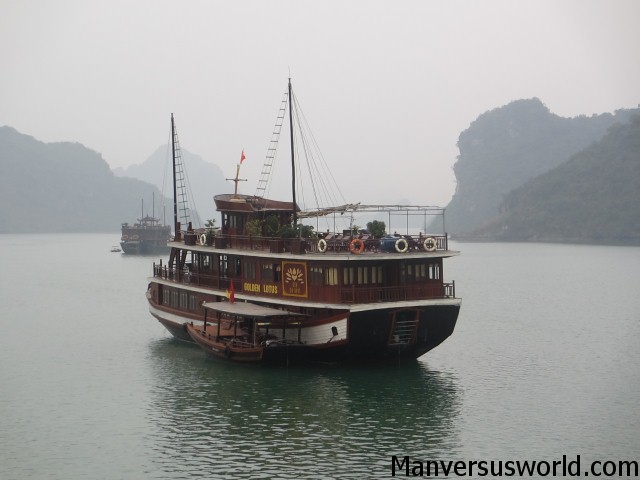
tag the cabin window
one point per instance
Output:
(174, 299)
(166, 296)
(434, 271)
(224, 265)
(267, 272)
(205, 262)
(238, 267)
(376, 275)
(363, 275)
(277, 272)
(234, 223)
(331, 276)
(183, 300)
(416, 272)
(316, 275)
(192, 302)
(250, 271)
(348, 275)
(271, 272)
(421, 271)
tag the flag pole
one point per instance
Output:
(237, 179)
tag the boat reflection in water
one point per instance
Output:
(228, 420)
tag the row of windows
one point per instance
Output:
(417, 272)
(362, 275)
(231, 266)
(176, 299)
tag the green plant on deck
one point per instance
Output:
(302, 231)
(272, 226)
(378, 229)
(254, 227)
(210, 226)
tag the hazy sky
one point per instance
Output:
(386, 86)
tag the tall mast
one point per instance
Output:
(293, 162)
(175, 194)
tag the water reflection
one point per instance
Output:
(223, 420)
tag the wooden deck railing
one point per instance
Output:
(334, 243)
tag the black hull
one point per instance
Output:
(370, 333)
(178, 330)
(371, 338)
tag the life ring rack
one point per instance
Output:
(430, 244)
(402, 245)
(322, 245)
(356, 246)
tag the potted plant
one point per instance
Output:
(211, 234)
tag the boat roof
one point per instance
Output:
(246, 309)
(248, 203)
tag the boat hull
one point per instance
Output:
(373, 334)
(145, 247)
(369, 335)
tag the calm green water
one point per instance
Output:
(545, 362)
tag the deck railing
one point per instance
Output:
(333, 243)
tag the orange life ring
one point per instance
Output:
(356, 246)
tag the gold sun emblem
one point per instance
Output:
(294, 279)
(295, 275)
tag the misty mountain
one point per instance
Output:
(204, 179)
(63, 187)
(505, 147)
(594, 197)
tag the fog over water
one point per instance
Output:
(386, 87)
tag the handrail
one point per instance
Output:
(335, 243)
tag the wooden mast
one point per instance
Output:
(293, 162)
(175, 193)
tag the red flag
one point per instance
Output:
(242, 157)
(232, 293)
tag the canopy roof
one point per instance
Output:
(245, 309)
(357, 207)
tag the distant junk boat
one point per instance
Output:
(267, 289)
(146, 237)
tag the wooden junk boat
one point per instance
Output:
(247, 295)
(148, 236)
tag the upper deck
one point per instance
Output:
(335, 247)
(259, 253)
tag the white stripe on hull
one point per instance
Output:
(311, 335)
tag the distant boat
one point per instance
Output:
(258, 291)
(116, 249)
(146, 237)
